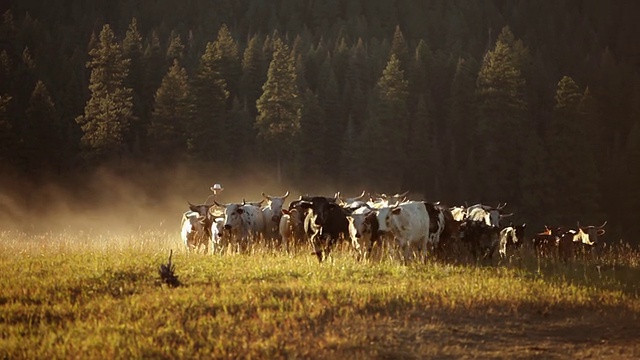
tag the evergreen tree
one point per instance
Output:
(171, 128)
(501, 117)
(400, 49)
(7, 137)
(631, 200)
(153, 62)
(357, 86)
(313, 160)
(571, 159)
(537, 196)
(211, 98)
(419, 82)
(240, 135)
(389, 121)
(420, 172)
(175, 49)
(44, 144)
(108, 112)
(132, 50)
(254, 73)
(278, 120)
(226, 54)
(461, 119)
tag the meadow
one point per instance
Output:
(97, 295)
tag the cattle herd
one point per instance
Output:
(416, 228)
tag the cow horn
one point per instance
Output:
(265, 195)
(601, 226)
(401, 195)
(506, 215)
(286, 194)
(361, 195)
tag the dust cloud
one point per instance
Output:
(138, 199)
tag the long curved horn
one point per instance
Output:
(361, 196)
(266, 196)
(401, 195)
(285, 194)
(601, 226)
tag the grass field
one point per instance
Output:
(99, 296)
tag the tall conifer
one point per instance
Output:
(108, 112)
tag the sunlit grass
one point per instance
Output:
(88, 295)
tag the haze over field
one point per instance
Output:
(141, 199)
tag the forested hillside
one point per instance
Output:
(532, 103)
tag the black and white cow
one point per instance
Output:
(511, 236)
(488, 214)
(325, 223)
(243, 221)
(481, 238)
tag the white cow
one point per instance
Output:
(243, 221)
(409, 223)
(488, 214)
(196, 227)
(272, 213)
(348, 202)
(363, 229)
(291, 227)
(511, 235)
(458, 212)
(216, 233)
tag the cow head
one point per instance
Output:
(385, 217)
(320, 207)
(349, 201)
(458, 213)
(202, 210)
(275, 203)
(232, 216)
(363, 221)
(589, 234)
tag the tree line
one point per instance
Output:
(531, 104)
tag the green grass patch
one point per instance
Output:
(100, 296)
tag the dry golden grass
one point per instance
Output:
(98, 295)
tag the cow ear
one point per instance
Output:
(396, 210)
